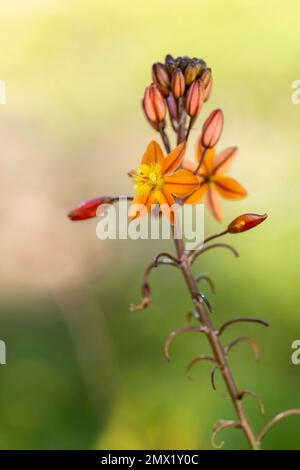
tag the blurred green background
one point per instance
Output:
(82, 371)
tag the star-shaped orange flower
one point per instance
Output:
(213, 182)
(157, 181)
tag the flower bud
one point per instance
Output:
(206, 77)
(88, 209)
(178, 83)
(170, 63)
(169, 59)
(245, 222)
(161, 77)
(212, 129)
(207, 91)
(154, 105)
(200, 67)
(182, 62)
(194, 98)
(172, 107)
(190, 74)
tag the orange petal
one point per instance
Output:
(166, 201)
(209, 159)
(229, 188)
(140, 199)
(191, 166)
(181, 183)
(166, 198)
(173, 159)
(153, 154)
(150, 202)
(224, 160)
(214, 203)
(197, 195)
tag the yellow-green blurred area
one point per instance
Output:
(82, 371)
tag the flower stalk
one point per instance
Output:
(216, 345)
(181, 86)
(211, 133)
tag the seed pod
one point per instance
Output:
(194, 98)
(212, 129)
(245, 222)
(178, 83)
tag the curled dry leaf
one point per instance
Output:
(220, 426)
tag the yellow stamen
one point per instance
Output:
(148, 178)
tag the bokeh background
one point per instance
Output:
(82, 371)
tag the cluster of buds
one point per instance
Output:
(180, 85)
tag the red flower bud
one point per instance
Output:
(178, 83)
(194, 98)
(212, 129)
(161, 77)
(88, 209)
(245, 222)
(154, 105)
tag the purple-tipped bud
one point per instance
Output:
(161, 77)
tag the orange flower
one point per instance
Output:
(213, 182)
(157, 181)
